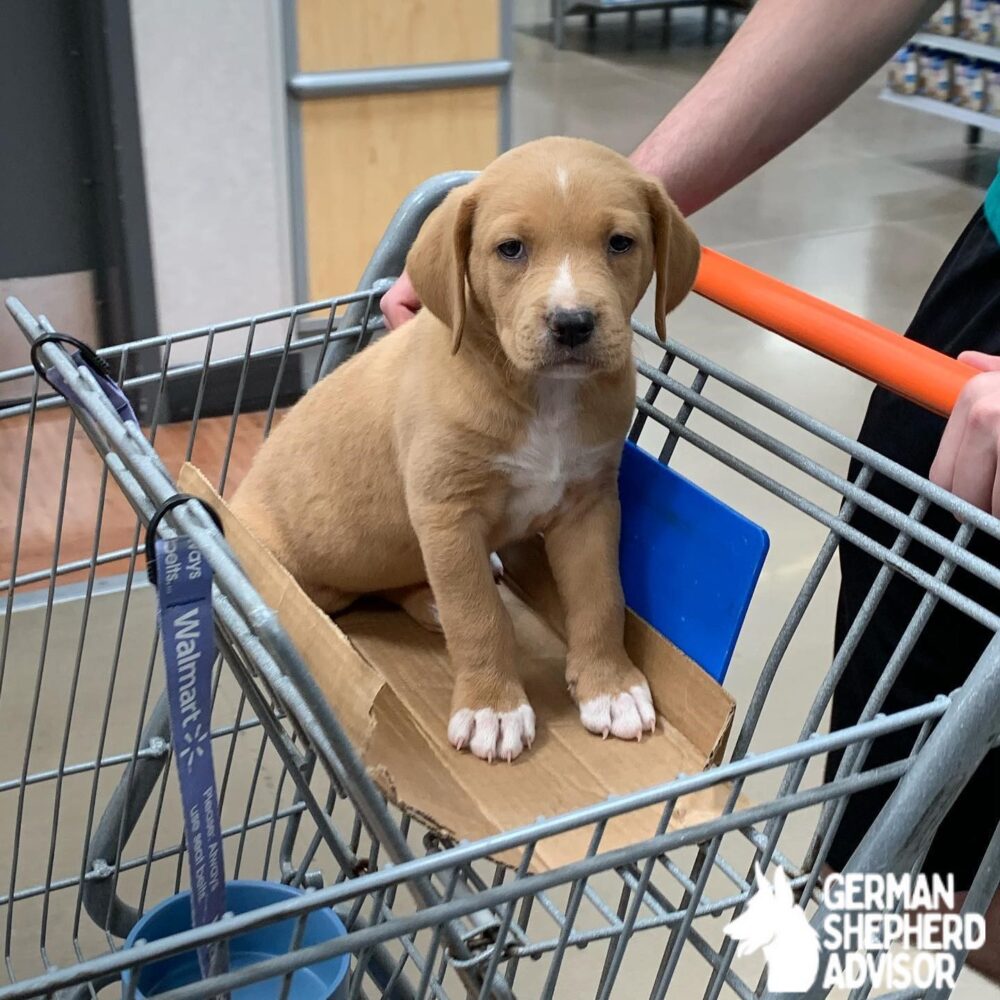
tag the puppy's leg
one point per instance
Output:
(490, 714)
(582, 547)
(420, 604)
(328, 598)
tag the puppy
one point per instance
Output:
(498, 412)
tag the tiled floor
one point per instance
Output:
(859, 212)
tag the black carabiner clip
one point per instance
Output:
(94, 361)
(154, 522)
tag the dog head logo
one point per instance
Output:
(772, 922)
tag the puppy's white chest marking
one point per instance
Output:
(550, 459)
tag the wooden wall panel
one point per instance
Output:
(360, 34)
(363, 155)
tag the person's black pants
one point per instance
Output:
(961, 311)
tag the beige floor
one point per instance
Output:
(860, 212)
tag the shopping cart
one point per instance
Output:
(91, 832)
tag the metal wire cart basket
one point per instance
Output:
(91, 827)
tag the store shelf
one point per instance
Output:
(561, 9)
(943, 110)
(974, 50)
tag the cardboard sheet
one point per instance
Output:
(389, 682)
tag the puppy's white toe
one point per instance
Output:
(517, 727)
(626, 715)
(460, 728)
(625, 721)
(595, 714)
(644, 703)
(497, 566)
(491, 735)
(486, 734)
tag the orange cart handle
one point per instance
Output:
(912, 370)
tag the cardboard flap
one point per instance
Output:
(389, 682)
(350, 683)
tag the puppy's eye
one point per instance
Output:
(620, 244)
(511, 249)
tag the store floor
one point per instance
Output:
(859, 212)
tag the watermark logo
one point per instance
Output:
(896, 932)
(773, 923)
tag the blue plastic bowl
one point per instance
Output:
(322, 981)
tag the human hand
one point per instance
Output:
(400, 303)
(968, 458)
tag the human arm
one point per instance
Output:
(787, 68)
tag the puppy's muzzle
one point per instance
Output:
(571, 327)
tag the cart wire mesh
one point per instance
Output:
(89, 815)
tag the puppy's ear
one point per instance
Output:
(676, 253)
(438, 260)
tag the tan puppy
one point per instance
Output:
(498, 412)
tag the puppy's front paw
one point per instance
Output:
(614, 699)
(627, 714)
(490, 734)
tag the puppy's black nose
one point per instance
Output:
(571, 327)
